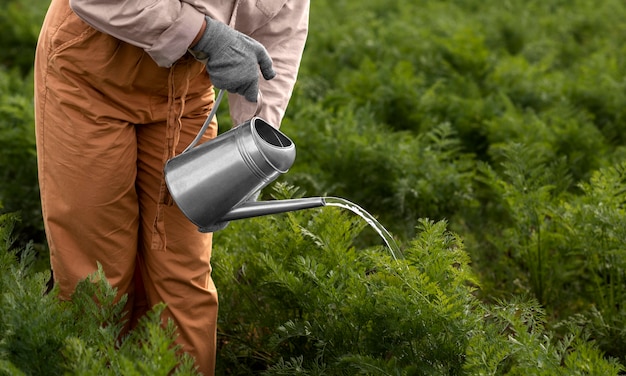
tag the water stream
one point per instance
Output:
(356, 209)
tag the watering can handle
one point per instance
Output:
(207, 122)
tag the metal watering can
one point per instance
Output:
(214, 182)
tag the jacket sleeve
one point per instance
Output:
(164, 29)
(284, 37)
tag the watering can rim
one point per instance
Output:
(268, 146)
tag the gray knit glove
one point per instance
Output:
(233, 59)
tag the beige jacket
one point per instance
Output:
(166, 28)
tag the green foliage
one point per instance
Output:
(18, 176)
(502, 120)
(530, 94)
(28, 315)
(147, 350)
(513, 341)
(595, 231)
(526, 188)
(19, 28)
(566, 249)
(374, 84)
(40, 335)
(302, 299)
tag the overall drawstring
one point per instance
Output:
(173, 128)
(175, 111)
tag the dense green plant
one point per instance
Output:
(420, 64)
(544, 76)
(566, 249)
(594, 228)
(309, 293)
(40, 335)
(18, 176)
(20, 22)
(528, 188)
(513, 341)
(19, 28)
(301, 298)
(26, 346)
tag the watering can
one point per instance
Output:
(216, 181)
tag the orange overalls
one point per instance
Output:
(107, 119)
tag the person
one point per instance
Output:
(121, 87)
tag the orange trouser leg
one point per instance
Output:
(107, 119)
(179, 276)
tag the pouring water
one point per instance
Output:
(260, 208)
(382, 231)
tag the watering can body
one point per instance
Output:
(212, 182)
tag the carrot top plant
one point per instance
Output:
(19, 190)
(563, 247)
(298, 297)
(594, 227)
(39, 335)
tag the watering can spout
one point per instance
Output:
(260, 208)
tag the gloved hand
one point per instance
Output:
(222, 225)
(233, 59)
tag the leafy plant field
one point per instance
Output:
(487, 136)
